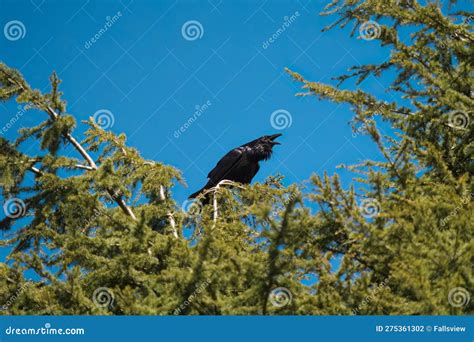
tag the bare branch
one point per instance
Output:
(170, 214)
(121, 203)
(85, 167)
(214, 191)
(92, 165)
(36, 171)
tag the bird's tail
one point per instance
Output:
(196, 194)
(205, 199)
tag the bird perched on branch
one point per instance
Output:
(241, 164)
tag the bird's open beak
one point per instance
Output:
(273, 137)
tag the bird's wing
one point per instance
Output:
(226, 164)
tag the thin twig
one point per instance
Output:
(36, 171)
(214, 191)
(169, 214)
(85, 167)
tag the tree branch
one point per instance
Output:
(92, 165)
(85, 167)
(170, 214)
(36, 171)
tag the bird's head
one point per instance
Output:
(270, 139)
(264, 146)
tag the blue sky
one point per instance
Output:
(151, 78)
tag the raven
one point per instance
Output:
(241, 164)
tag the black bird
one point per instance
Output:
(241, 164)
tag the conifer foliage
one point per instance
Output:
(92, 227)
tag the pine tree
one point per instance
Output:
(417, 236)
(100, 233)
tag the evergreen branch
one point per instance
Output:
(54, 116)
(82, 151)
(273, 253)
(214, 191)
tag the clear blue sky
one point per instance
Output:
(151, 78)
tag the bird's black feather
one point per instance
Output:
(240, 164)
